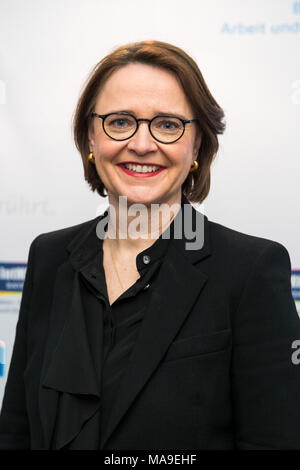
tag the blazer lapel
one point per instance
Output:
(48, 396)
(68, 367)
(179, 284)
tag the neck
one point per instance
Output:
(133, 229)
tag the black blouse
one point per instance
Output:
(121, 320)
(112, 331)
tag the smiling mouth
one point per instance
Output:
(141, 170)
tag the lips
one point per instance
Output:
(141, 175)
(142, 164)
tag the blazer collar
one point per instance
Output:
(68, 351)
(189, 232)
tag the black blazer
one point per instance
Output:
(212, 366)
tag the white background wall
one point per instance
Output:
(248, 52)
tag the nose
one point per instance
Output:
(142, 141)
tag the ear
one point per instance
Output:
(197, 144)
(91, 138)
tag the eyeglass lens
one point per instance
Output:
(121, 127)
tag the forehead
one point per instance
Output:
(142, 88)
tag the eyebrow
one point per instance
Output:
(155, 114)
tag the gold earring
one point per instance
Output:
(194, 167)
(91, 157)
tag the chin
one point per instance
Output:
(141, 200)
(146, 199)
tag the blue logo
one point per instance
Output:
(2, 358)
(12, 276)
(296, 288)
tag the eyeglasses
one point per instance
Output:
(163, 128)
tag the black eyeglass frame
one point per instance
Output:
(183, 121)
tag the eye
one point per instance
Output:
(120, 122)
(169, 124)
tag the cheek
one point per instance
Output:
(103, 147)
(106, 151)
(186, 157)
(103, 156)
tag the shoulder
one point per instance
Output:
(62, 237)
(52, 247)
(240, 257)
(65, 235)
(256, 272)
(241, 245)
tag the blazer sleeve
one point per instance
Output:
(265, 379)
(14, 426)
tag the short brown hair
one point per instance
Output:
(167, 56)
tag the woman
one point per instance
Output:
(130, 336)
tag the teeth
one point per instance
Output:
(141, 168)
